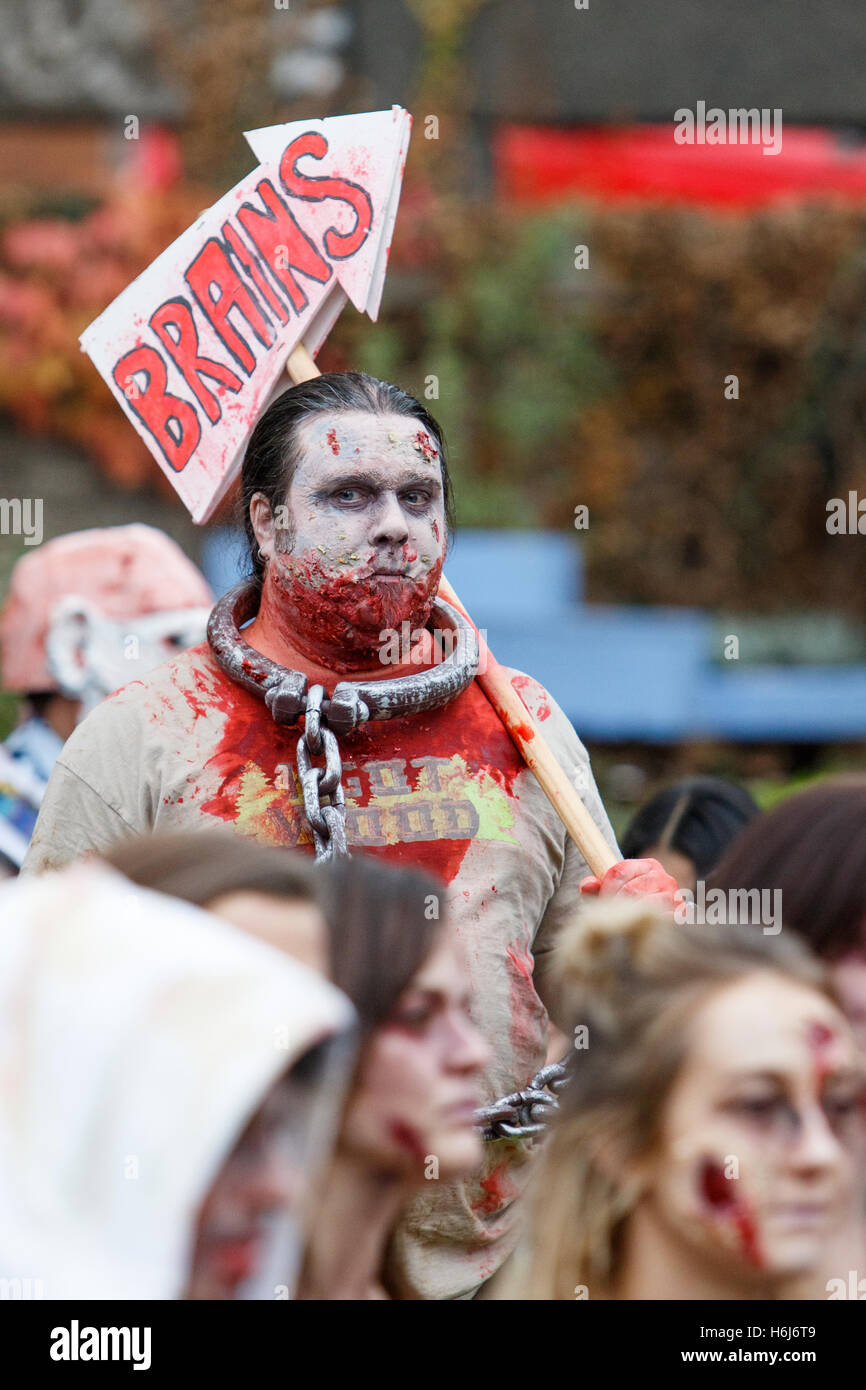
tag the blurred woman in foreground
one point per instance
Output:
(268, 892)
(410, 1118)
(170, 1087)
(709, 1142)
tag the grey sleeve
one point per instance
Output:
(73, 820)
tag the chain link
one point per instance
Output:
(328, 822)
(525, 1114)
(313, 719)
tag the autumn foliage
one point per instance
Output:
(56, 275)
(606, 386)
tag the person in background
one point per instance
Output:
(811, 850)
(20, 795)
(85, 614)
(269, 892)
(712, 1134)
(177, 1085)
(688, 825)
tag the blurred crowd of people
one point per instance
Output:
(227, 1071)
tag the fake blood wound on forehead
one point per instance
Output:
(720, 1194)
(424, 444)
(334, 442)
(820, 1037)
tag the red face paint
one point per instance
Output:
(406, 1139)
(720, 1194)
(716, 1189)
(331, 437)
(336, 617)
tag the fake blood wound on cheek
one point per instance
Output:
(407, 1139)
(719, 1193)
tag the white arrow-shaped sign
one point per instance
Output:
(195, 347)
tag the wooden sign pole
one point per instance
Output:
(521, 727)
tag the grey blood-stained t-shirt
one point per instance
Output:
(446, 791)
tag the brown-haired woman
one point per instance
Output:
(709, 1141)
(410, 1117)
(811, 850)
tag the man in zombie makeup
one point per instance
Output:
(347, 507)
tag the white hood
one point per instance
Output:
(137, 1036)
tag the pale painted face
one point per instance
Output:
(92, 655)
(364, 536)
(762, 1133)
(418, 1087)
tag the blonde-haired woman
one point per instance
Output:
(708, 1142)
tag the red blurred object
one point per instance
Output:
(537, 164)
(156, 163)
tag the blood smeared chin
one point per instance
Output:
(327, 613)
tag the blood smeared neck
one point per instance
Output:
(337, 618)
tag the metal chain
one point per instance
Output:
(327, 822)
(525, 1114)
(352, 703)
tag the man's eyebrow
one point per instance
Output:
(374, 478)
